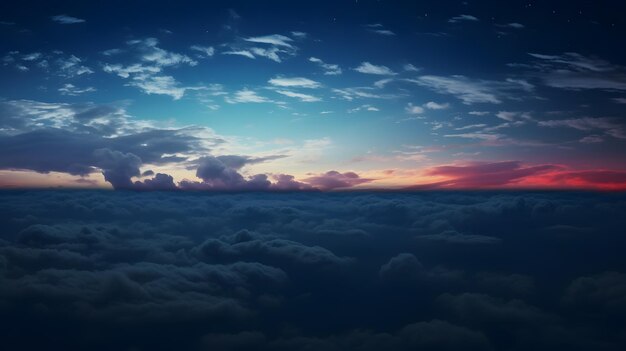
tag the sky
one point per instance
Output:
(325, 95)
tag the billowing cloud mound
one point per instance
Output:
(302, 271)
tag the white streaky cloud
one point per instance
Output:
(459, 18)
(413, 109)
(515, 25)
(608, 125)
(244, 53)
(160, 85)
(591, 139)
(369, 68)
(246, 96)
(274, 39)
(513, 116)
(111, 52)
(575, 71)
(271, 53)
(302, 97)
(383, 82)
(295, 82)
(471, 126)
(329, 69)
(619, 100)
(410, 68)
(524, 84)
(299, 35)
(71, 90)
(480, 136)
(363, 92)
(383, 32)
(368, 107)
(478, 113)
(127, 71)
(153, 53)
(32, 57)
(72, 66)
(506, 115)
(431, 105)
(65, 19)
(207, 51)
(467, 90)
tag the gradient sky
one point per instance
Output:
(324, 95)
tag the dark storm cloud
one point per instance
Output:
(301, 271)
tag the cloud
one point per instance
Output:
(379, 29)
(404, 266)
(465, 18)
(245, 53)
(365, 107)
(484, 175)
(227, 271)
(147, 75)
(150, 52)
(118, 167)
(369, 68)
(295, 82)
(206, 51)
(467, 90)
(160, 85)
(71, 90)
(302, 97)
(329, 69)
(609, 126)
(575, 71)
(431, 105)
(65, 19)
(414, 110)
(246, 96)
(335, 180)
(410, 68)
(274, 39)
(515, 25)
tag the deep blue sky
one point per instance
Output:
(391, 90)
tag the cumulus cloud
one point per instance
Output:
(335, 180)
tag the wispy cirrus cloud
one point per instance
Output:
(302, 97)
(469, 91)
(609, 126)
(273, 39)
(368, 68)
(571, 70)
(379, 29)
(294, 82)
(246, 96)
(329, 69)
(463, 18)
(72, 90)
(65, 19)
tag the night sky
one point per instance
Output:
(285, 95)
